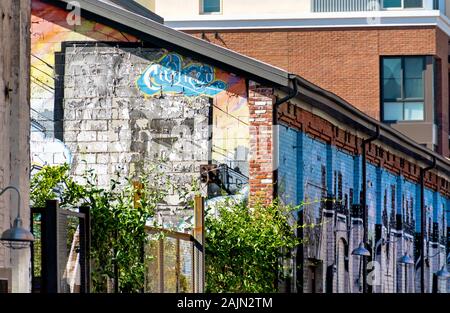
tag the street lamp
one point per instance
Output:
(16, 237)
(443, 272)
(362, 252)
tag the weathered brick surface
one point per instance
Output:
(261, 139)
(121, 129)
(320, 161)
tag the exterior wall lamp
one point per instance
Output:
(361, 250)
(443, 273)
(16, 237)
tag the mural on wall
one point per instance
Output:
(167, 73)
(170, 75)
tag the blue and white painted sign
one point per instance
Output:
(169, 75)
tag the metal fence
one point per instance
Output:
(60, 253)
(175, 262)
(370, 5)
(342, 5)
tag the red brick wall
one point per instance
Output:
(260, 101)
(343, 61)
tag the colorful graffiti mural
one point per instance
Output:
(167, 72)
(169, 75)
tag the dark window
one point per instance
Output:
(412, 4)
(392, 3)
(403, 88)
(3, 286)
(407, 4)
(211, 6)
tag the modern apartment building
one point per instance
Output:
(389, 58)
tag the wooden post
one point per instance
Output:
(199, 236)
(85, 246)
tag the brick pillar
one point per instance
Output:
(261, 178)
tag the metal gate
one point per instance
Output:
(176, 261)
(60, 253)
(175, 264)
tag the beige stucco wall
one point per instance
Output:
(187, 9)
(150, 4)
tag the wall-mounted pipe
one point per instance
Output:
(292, 94)
(423, 221)
(364, 200)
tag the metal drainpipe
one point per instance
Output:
(277, 103)
(423, 222)
(364, 202)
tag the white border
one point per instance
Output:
(316, 20)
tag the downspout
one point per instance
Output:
(423, 222)
(294, 93)
(364, 200)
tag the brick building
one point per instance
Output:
(389, 58)
(117, 88)
(14, 136)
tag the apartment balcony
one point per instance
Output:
(323, 6)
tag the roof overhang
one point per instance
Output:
(254, 69)
(149, 29)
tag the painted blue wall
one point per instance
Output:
(309, 169)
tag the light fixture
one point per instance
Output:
(361, 250)
(406, 259)
(443, 273)
(16, 237)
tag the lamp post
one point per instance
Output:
(16, 237)
(361, 251)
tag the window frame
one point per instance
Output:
(402, 100)
(202, 8)
(402, 7)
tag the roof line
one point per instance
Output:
(137, 8)
(370, 124)
(259, 69)
(183, 40)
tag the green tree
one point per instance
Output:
(119, 213)
(244, 246)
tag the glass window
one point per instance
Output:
(414, 71)
(414, 111)
(412, 4)
(403, 88)
(406, 4)
(393, 111)
(211, 6)
(392, 70)
(392, 3)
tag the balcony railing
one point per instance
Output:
(366, 5)
(342, 5)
